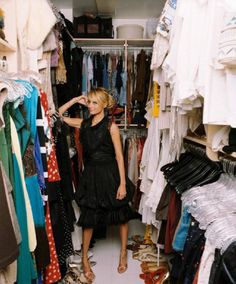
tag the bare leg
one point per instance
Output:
(87, 235)
(123, 252)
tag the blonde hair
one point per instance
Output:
(102, 96)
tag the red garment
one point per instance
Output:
(52, 272)
(53, 171)
(174, 213)
(195, 281)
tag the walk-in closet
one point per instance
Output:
(117, 142)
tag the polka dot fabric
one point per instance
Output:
(52, 272)
(53, 172)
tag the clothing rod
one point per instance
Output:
(139, 126)
(112, 47)
(104, 47)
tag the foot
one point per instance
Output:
(88, 273)
(123, 262)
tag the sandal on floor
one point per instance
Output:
(148, 267)
(149, 249)
(83, 279)
(148, 257)
(122, 267)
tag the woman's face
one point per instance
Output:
(94, 106)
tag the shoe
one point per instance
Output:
(157, 277)
(123, 263)
(152, 266)
(148, 249)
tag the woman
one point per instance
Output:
(104, 191)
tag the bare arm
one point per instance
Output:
(115, 135)
(74, 122)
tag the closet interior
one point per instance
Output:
(175, 108)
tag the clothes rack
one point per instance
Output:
(116, 45)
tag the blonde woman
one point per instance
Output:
(104, 191)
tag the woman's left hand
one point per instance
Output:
(121, 192)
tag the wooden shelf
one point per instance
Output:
(114, 42)
(198, 140)
(5, 46)
(99, 41)
(140, 42)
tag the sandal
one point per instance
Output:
(122, 267)
(148, 249)
(148, 267)
(157, 277)
(148, 257)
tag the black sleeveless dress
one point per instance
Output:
(99, 182)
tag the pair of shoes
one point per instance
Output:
(72, 276)
(122, 263)
(148, 249)
(157, 277)
(148, 267)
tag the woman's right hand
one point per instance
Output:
(81, 100)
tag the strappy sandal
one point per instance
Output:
(122, 267)
(148, 249)
(148, 267)
(157, 277)
(72, 276)
(148, 257)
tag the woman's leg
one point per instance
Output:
(87, 235)
(123, 252)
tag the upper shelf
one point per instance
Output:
(5, 46)
(114, 42)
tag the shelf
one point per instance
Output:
(114, 42)
(140, 42)
(201, 141)
(99, 41)
(5, 46)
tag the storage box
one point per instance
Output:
(86, 27)
(130, 31)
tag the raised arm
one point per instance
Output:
(74, 122)
(115, 135)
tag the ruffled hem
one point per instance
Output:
(98, 218)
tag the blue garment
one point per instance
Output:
(123, 95)
(38, 162)
(114, 92)
(84, 75)
(25, 266)
(30, 106)
(35, 200)
(105, 73)
(182, 231)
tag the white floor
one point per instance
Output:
(106, 254)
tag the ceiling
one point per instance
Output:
(117, 9)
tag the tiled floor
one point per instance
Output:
(106, 254)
